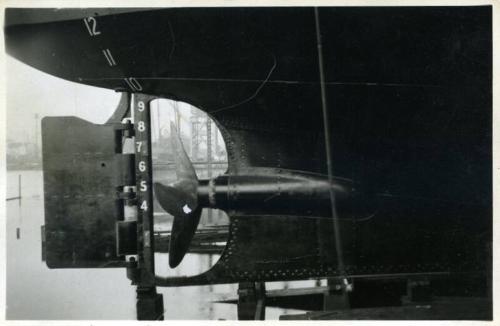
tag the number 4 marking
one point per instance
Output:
(144, 205)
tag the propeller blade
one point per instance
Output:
(183, 230)
(180, 200)
(186, 218)
(184, 169)
(174, 200)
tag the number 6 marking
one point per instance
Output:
(142, 166)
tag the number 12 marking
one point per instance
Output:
(92, 30)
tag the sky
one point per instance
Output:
(31, 92)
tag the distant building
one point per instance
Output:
(22, 156)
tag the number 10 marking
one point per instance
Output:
(133, 84)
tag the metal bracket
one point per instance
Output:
(126, 238)
(149, 304)
(337, 295)
(419, 290)
(252, 301)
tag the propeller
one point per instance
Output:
(180, 199)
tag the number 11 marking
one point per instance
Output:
(109, 57)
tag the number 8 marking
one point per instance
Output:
(142, 126)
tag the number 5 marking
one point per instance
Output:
(144, 186)
(92, 30)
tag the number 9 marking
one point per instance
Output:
(141, 106)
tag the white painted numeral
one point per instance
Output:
(140, 104)
(91, 25)
(109, 57)
(141, 126)
(144, 205)
(139, 145)
(144, 186)
(133, 84)
(142, 166)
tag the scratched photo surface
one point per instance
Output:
(249, 163)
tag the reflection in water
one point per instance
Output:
(36, 292)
